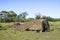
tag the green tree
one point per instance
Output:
(13, 15)
(23, 15)
(38, 16)
(8, 16)
(0, 17)
(3, 15)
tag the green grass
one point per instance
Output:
(13, 34)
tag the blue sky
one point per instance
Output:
(32, 7)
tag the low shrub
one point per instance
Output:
(3, 28)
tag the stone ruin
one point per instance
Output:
(38, 25)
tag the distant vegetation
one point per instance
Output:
(53, 19)
(11, 16)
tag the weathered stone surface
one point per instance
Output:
(34, 25)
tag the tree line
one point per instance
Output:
(11, 16)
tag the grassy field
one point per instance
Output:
(12, 34)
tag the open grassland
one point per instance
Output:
(13, 34)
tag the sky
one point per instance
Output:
(32, 7)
